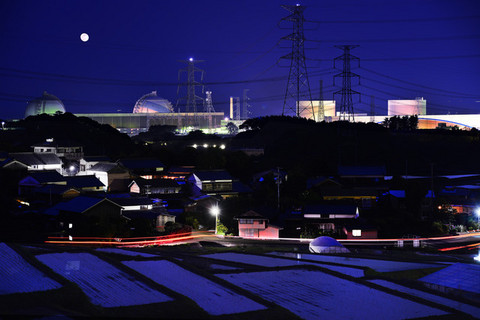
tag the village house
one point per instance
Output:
(253, 225)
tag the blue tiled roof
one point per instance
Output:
(47, 176)
(84, 181)
(79, 204)
(30, 158)
(213, 175)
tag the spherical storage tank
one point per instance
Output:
(327, 245)
(47, 103)
(152, 103)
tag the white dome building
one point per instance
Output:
(326, 245)
(47, 103)
(152, 103)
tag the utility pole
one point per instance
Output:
(346, 103)
(298, 87)
(191, 98)
(278, 182)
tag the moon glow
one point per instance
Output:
(84, 37)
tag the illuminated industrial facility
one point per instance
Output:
(149, 110)
(401, 108)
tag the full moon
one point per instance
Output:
(84, 37)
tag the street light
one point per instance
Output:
(477, 212)
(215, 211)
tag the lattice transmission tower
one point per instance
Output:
(191, 98)
(346, 102)
(246, 112)
(298, 87)
(208, 102)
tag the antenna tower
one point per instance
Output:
(346, 103)
(246, 106)
(298, 87)
(191, 98)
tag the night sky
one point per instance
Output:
(408, 49)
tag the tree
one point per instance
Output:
(232, 128)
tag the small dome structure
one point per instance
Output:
(152, 103)
(47, 103)
(326, 245)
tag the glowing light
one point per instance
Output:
(205, 145)
(191, 59)
(215, 211)
(477, 258)
(72, 168)
(222, 146)
(195, 146)
(84, 37)
(226, 119)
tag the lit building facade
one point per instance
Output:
(328, 110)
(407, 107)
(148, 111)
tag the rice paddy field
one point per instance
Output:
(207, 283)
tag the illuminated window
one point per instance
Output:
(356, 233)
(70, 225)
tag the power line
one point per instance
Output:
(416, 84)
(449, 38)
(104, 81)
(396, 20)
(411, 89)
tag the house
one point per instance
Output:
(54, 193)
(89, 216)
(356, 229)
(34, 161)
(111, 174)
(86, 183)
(142, 208)
(329, 216)
(213, 182)
(179, 174)
(147, 187)
(253, 225)
(89, 161)
(147, 168)
(63, 149)
(330, 189)
(37, 179)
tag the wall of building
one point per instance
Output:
(407, 107)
